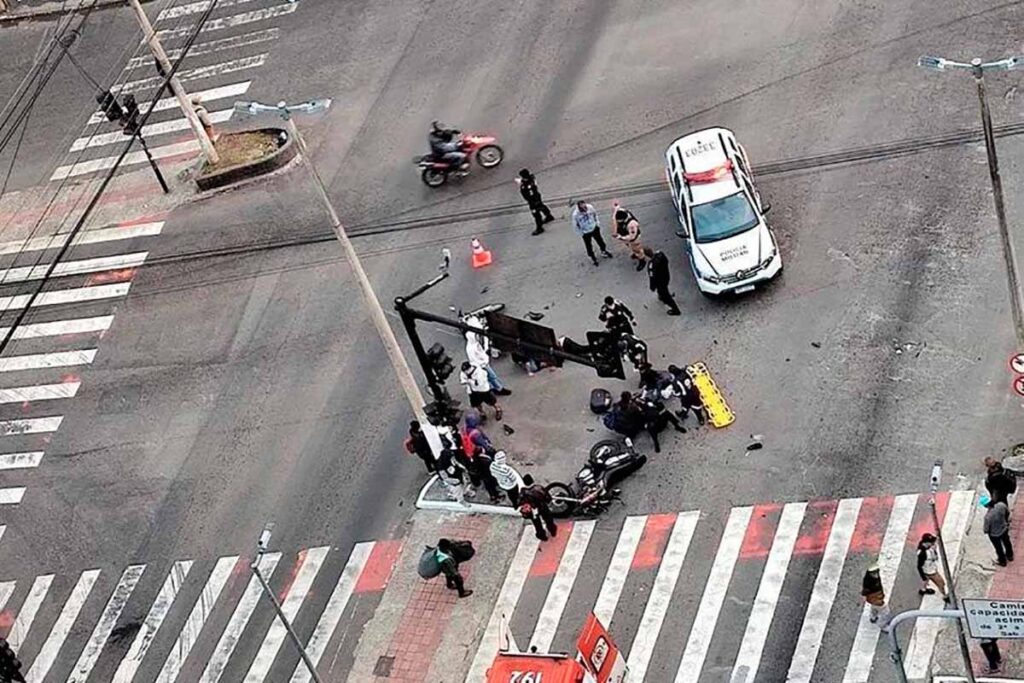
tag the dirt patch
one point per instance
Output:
(242, 148)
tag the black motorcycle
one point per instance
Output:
(609, 462)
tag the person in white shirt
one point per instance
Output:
(928, 567)
(478, 386)
(478, 349)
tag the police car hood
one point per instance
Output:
(739, 252)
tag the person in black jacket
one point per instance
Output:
(999, 481)
(528, 188)
(659, 276)
(417, 444)
(10, 665)
(539, 500)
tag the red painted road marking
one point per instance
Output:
(817, 527)
(871, 524)
(375, 574)
(300, 559)
(549, 554)
(653, 540)
(151, 218)
(923, 523)
(33, 214)
(757, 541)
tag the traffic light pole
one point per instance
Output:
(152, 164)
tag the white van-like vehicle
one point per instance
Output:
(721, 216)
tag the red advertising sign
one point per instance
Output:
(599, 653)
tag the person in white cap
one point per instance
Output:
(874, 594)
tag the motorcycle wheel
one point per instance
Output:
(559, 492)
(489, 156)
(433, 177)
(605, 445)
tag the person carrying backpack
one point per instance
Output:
(999, 481)
(479, 456)
(447, 554)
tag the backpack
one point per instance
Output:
(468, 447)
(428, 566)
(463, 551)
(409, 445)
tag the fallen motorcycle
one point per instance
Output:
(610, 461)
(483, 148)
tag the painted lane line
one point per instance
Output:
(714, 595)
(561, 586)
(71, 295)
(511, 589)
(201, 611)
(310, 562)
(130, 159)
(6, 590)
(32, 425)
(68, 614)
(39, 392)
(235, 20)
(221, 92)
(28, 611)
(661, 594)
(618, 568)
(331, 615)
(85, 237)
(20, 461)
(862, 654)
(161, 606)
(824, 592)
(37, 361)
(12, 495)
(60, 327)
(3, 528)
(774, 574)
(200, 72)
(111, 613)
(922, 642)
(148, 131)
(82, 267)
(239, 618)
(221, 44)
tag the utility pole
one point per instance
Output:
(179, 92)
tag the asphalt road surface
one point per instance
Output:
(242, 381)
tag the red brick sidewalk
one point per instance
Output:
(1007, 583)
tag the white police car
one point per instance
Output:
(721, 216)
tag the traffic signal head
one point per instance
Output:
(443, 412)
(440, 362)
(130, 122)
(108, 103)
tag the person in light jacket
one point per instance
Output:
(478, 351)
(478, 386)
(588, 226)
(509, 480)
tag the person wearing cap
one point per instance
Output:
(928, 567)
(540, 211)
(874, 594)
(627, 231)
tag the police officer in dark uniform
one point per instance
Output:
(659, 276)
(528, 188)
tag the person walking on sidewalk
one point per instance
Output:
(999, 481)
(995, 658)
(509, 480)
(446, 557)
(659, 277)
(874, 595)
(627, 231)
(928, 567)
(588, 226)
(478, 386)
(528, 188)
(535, 504)
(416, 444)
(616, 316)
(997, 528)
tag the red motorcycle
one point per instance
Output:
(483, 147)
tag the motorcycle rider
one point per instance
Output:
(446, 145)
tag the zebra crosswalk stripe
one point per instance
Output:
(66, 268)
(11, 495)
(130, 159)
(39, 392)
(561, 586)
(714, 595)
(29, 609)
(37, 361)
(19, 461)
(331, 615)
(221, 92)
(161, 606)
(105, 625)
(73, 295)
(310, 562)
(221, 23)
(59, 633)
(31, 425)
(618, 569)
(59, 328)
(97, 236)
(199, 49)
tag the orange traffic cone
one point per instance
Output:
(481, 257)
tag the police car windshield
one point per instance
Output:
(723, 218)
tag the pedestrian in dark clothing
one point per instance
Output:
(634, 350)
(999, 481)
(539, 501)
(874, 594)
(928, 567)
(528, 188)
(616, 316)
(995, 658)
(997, 528)
(416, 444)
(659, 276)
(479, 456)
(689, 395)
(627, 230)
(587, 225)
(450, 568)
(655, 418)
(10, 665)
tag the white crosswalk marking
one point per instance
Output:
(199, 49)
(862, 654)
(331, 615)
(661, 593)
(201, 611)
(29, 609)
(33, 425)
(148, 131)
(221, 92)
(105, 625)
(239, 618)
(561, 586)
(20, 461)
(73, 295)
(749, 658)
(618, 569)
(37, 361)
(161, 606)
(922, 642)
(714, 595)
(310, 562)
(511, 589)
(60, 327)
(824, 592)
(195, 8)
(219, 24)
(6, 590)
(68, 614)
(39, 392)
(130, 159)
(83, 267)
(200, 72)
(97, 236)
(12, 495)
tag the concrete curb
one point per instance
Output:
(453, 506)
(52, 9)
(236, 174)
